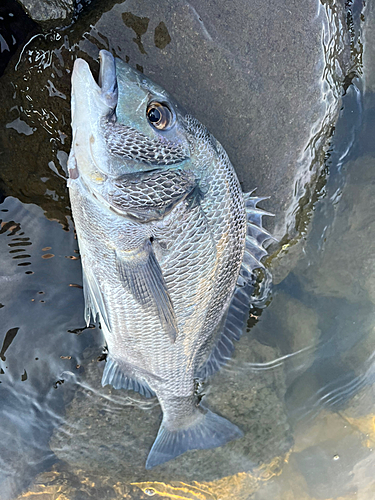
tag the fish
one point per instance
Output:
(168, 244)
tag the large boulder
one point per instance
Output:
(265, 77)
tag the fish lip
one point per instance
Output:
(92, 104)
(90, 98)
(108, 78)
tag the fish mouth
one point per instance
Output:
(90, 97)
(92, 103)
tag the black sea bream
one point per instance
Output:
(168, 243)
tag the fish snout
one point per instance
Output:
(93, 105)
(89, 97)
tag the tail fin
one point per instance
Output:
(207, 431)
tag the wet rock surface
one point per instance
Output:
(250, 72)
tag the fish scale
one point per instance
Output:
(164, 232)
(160, 360)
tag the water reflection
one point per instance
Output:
(32, 351)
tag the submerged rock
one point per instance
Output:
(110, 432)
(298, 332)
(330, 460)
(346, 260)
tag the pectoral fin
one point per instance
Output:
(143, 277)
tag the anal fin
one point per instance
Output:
(143, 277)
(116, 376)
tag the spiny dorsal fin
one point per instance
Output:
(256, 236)
(238, 311)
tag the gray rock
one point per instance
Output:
(347, 256)
(45, 11)
(254, 73)
(251, 73)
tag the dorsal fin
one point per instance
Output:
(256, 235)
(238, 311)
(234, 326)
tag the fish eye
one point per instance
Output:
(159, 115)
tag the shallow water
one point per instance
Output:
(301, 382)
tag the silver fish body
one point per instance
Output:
(164, 233)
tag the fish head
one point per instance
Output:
(124, 123)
